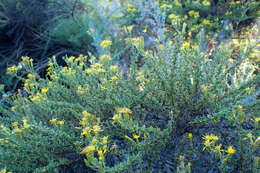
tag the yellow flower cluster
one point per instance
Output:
(36, 98)
(207, 22)
(114, 67)
(105, 43)
(18, 129)
(28, 85)
(140, 76)
(173, 16)
(98, 145)
(89, 122)
(114, 78)
(209, 140)
(206, 3)
(105, 58)
(210, 143)
(31, 76)
(166, 6)
(194, 13)
(12, 70)
(68, 71)
(82, 90)
(120, 111)
(136, 41)
(218, 148)
(26, 59)
(55, 121)
(123, 110)
(95, 69)
(177, 2)
(130, 8)
(71, 58)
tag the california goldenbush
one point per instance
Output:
(114, 123)
(219, 18)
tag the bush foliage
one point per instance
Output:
(138, 100)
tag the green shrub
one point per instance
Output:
(114, 122)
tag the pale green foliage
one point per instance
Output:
(177, 83)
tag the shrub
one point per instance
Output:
(115, 122)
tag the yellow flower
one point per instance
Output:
(182, 158)
(105, 140)
(96, 65)
(26, 126)
(257, 120)
(85, 131)
(218, 148)
(97, 129)
(88, 150)
(207, 22)
(177, 3)
(130, 28)
(137, 41)
(211, 137)
(94, 141)
(114, 78)
(116, 117)
(123, 110)
(60, 122)
(130, 8)
(44, 90)
(100, 70)
(207, 143)
(36, 98)
(136, 137)
(185, 45)
(194, 13)
(26, 59)
(3, 140)
(240, 108)
(15, 124)
(4, 171)
(114, 67)
(206, 3)
(3, 128)
(189, 136)
(100, 155)
(71, 58)
(17, 130)
(166, 6)
(105, 58)
(12, 70)
(86, 114)
(172, 16)
(103, 88)
(30, 76)
(89, 71)
(53, 121)
(105, 43)
(230, 150)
